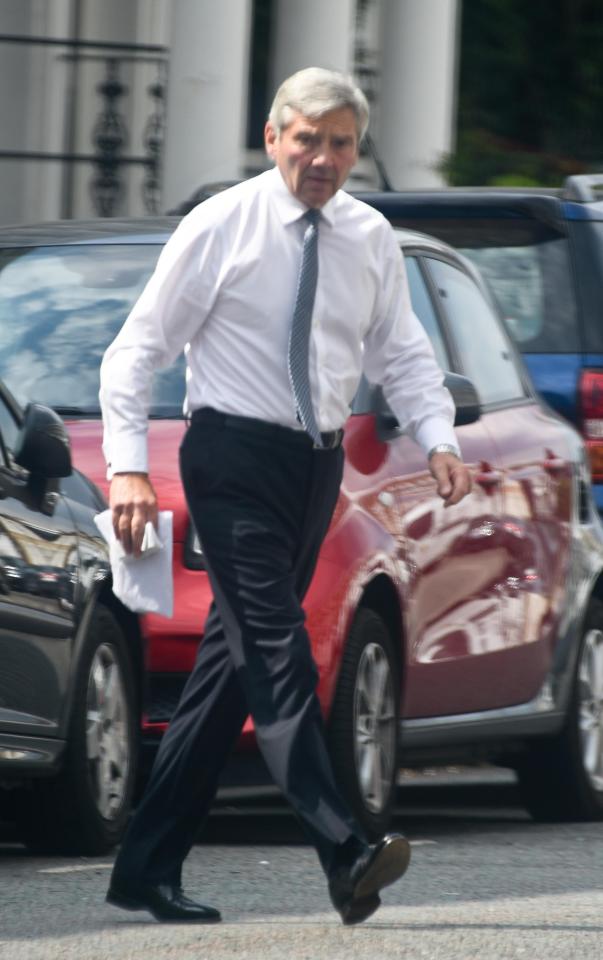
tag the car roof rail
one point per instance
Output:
(582, 187)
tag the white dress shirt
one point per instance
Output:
(224, 291)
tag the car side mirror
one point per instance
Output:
(464, 394)
(466, 399)
(42, 445)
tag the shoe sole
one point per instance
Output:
(361, 909)
(389, 865)
(127, 903)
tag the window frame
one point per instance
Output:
(15, 410)
(449, 345)
(369, 398)
(458, 262)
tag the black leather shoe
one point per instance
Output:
(354, 889)
(164, 901)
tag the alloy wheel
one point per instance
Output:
(374, 727)
(107, 746)
(590, 706)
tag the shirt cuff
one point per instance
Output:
(436, 430)
(128, 455)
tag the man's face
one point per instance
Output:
(315, 156)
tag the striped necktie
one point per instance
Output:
(301, 325)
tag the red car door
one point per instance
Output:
(453, 557)
(537, 500)
(528, 468)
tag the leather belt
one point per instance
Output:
(330, 440)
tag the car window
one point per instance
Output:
(587, 240)
(526, 262)
(60, 307)
(482, 346)
(424, 309)
(533, 286)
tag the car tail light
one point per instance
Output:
(591, 404)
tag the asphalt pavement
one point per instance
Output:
(485, 883)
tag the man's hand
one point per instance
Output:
(452, 477)
(133, 502)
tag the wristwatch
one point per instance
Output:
(444, 448)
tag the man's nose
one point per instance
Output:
(323, 156)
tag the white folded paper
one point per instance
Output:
(144, 584)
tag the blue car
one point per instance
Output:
(542, 253)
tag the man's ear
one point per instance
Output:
(270, 138)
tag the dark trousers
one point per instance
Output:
(261, 498)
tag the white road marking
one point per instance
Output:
(78, 868)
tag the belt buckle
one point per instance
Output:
(335, 440)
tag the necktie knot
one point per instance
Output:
(312, 216)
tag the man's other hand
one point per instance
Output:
(452, 477)
(133, 502)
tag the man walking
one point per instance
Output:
(281, 290)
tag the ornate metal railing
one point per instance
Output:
(109, 134)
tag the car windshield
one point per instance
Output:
(527, 265)
(60, 307)
(532, 284)
(587, 238)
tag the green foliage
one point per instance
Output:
(530, 91)
(514, 180)
(482, 159)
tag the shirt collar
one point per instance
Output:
(290, 208)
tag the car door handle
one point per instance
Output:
(553, 464)
(488, 477)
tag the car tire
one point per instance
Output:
(561, 778)
(363, 724)
(85, 809)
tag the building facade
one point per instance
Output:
(126, 107)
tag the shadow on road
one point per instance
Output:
(437, 808)
(263, 816)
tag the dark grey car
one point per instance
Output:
(70, 653)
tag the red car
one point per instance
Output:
(439, 633)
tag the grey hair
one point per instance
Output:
(314, 92)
